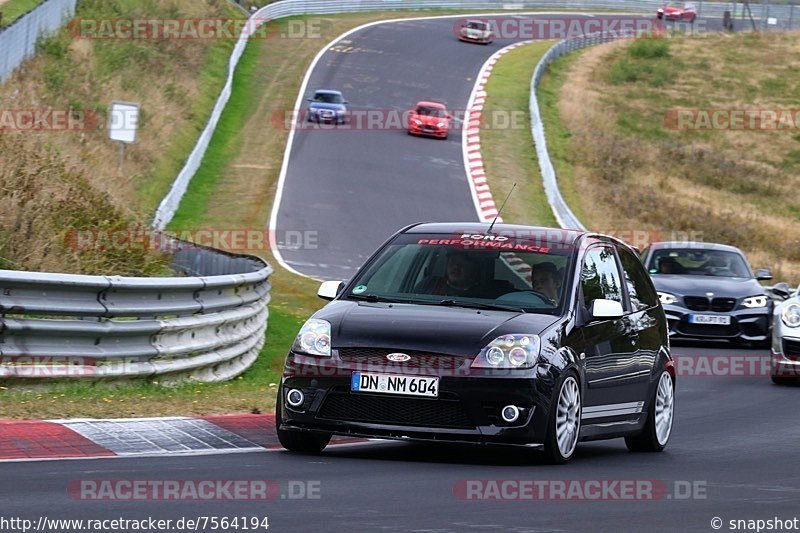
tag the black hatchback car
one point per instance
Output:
(469, 333)
(709, 292)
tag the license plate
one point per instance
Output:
(721, 320)
(391, 384)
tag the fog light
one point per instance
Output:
(295, 397)
(510, 413)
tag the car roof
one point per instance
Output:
(327, 91)
(430, 104)
(694, 245)
(569, 235)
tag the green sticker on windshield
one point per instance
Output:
(359, 289)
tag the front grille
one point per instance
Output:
(723, 305)
(701, 303)
(791, 349)
(696, 303)
(376, 357)
(374, 409)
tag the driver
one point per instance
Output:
(546, 281)
(462, 278)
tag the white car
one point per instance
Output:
(476, 31)
(785, 359)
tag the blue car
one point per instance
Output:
(327, 106)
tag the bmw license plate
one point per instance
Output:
(391, 384)
(719, 320)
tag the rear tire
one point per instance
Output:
(297, 441)
(778, 380)
(660, 414)
(564, 420)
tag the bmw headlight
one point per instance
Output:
(440, 125)
(666, 298)
(314, 338)
(791, 315)
(755, 301)
(509, 351)
(417, 122)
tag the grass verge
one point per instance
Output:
(13, 9)
(507, 145)
(636, 170)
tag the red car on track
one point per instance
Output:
(429, 118)
(678, 11)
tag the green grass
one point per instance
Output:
(508, 152)
(557, 134)
(13, 9)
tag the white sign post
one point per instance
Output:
(123, 122)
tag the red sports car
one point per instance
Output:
(429, 118)
(678, 11)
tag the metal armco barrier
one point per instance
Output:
(564, 215)
(18, 40)
(286, 8)
(207, 326)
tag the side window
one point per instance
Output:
(640, 290)
(600, 276)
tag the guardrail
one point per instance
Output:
(286, 8)
(564, 215)
(208, 325)
(18, 39)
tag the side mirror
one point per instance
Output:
(330, 289)
(762, 274)
(602, 309)
(781, 290)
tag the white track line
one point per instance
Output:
(304, 86)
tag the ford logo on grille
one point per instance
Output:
(398, 357)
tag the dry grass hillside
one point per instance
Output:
(635, 171)
(57, 181)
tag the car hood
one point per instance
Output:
(700, 285)
(324, 105)
(430, 120)
(435, 329)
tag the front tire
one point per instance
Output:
(660, 414)
(564, 423)
(296, 441)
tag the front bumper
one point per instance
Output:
(483, 40)
(751, 325)
(429, 131)
(785, 357)
(317, 115)
(467, 409)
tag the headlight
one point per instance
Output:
(791, 315)
(417, 122)
(314, 338)
(666, 298)
(509, 351)
(440, 125)
(755, 301)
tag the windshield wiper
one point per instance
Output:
(480, 305)
(375, 298)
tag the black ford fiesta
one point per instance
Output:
(469, 333)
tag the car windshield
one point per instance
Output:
(430, 111)
(328, 98)
(699, 263)
(472, 25)
(522, 275)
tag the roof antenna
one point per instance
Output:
(501, 208)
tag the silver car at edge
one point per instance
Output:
(785, 358)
